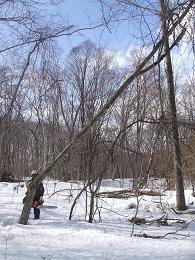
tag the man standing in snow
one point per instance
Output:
(38, 198)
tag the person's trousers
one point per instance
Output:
(36, 213)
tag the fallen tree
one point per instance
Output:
(126, 193)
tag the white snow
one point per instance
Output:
(56, 237)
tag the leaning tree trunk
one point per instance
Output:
(180, 197)
(27, 206)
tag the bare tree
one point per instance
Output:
(180, 197)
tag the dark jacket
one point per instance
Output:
(39, 193)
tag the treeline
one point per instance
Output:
(58, 99)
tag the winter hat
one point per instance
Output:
(34, 172)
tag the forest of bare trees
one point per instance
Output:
(81, 116)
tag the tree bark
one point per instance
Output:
(27, 207)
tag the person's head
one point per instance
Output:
(34, 174)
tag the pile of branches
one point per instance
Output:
(176, 232)
(126, 193)
(164, 221)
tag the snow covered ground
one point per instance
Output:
(56, 237)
